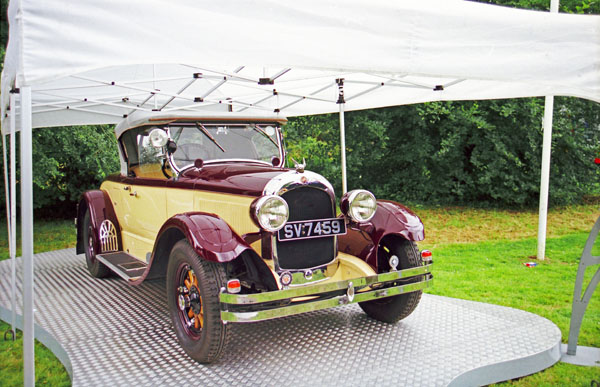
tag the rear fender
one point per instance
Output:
(101, 209)
(391, 218)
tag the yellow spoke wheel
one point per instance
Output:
(193, 286)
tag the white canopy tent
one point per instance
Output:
(89, 62)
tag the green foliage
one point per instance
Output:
(483, 153)
(66, 162)
(48, 369)
(566, 6)
(69, 161)
(317, 139)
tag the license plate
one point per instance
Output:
(311, 229)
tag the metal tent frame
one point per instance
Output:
(306, 87)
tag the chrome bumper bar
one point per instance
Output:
(356, 290)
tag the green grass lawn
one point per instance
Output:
(478, 255)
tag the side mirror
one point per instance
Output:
(158, 138)
(171, 147)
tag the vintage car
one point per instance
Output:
(207, 202)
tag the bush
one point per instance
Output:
(484, 153)
(66, 162)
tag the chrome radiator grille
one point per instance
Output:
(307, 203)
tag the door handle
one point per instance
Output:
(131, 193)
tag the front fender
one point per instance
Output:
(210, 236)
(100, 206)
(391, 218)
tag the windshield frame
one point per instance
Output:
(258, 127)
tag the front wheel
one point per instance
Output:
(193, 286)
(395, 308)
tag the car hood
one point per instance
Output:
(241, 179)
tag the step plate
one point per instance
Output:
(124, 265)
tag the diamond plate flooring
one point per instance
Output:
(115, 334)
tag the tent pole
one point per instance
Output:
(27, 237)
(10, 198)
(343, 146)
(342, 103)
(545, 178)
(13, 204)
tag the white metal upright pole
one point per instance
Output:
(27, 237)
(343, 146)
(545, 178)
(13, 204)
(545, 174)
(341, 101)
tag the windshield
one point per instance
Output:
(211, 142)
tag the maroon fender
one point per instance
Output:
(210, 236)
(390, 219)
(101, 209)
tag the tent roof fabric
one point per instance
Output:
(91, 62)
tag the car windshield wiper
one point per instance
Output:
(206, 132)
(262, 131)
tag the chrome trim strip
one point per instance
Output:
(262, 315)
(246, 299)
(292, 179)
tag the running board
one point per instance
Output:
(124, 265)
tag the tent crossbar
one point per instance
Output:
(72, 100)
(139, 106)
(298, 97)
(95, 102)
(279, 74)
(310, 97)
(255, 104)
(302, 98)
(400, 83)
(155, 92)
(59, 108)
(94, 84)
(227, 74)
(227, 101)
(401, 79)
(85, 102)
(221, 82)
(371, 89)
(291, 103)
(184, 88)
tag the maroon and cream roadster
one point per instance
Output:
(207, 202)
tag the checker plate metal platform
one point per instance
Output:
(116, 334)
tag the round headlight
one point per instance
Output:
(359, 205)
(270, 212)
(158, 138)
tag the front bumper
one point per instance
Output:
(287, 302)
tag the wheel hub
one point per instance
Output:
(195, 300)
(189, 301)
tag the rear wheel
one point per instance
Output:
(193, 287)
(96, 268)
(395, 308)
